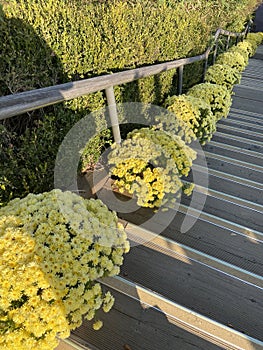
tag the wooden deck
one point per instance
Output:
(202, 289)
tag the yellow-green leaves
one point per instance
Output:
(197, 118)
(233, 59)
(223, 74)
(217, 96)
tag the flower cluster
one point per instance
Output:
(53, 247)
(217, 96)
(155, 172)
(198, 119)
(245, 48)
(255, 39)
(222, 74)
(233, 59)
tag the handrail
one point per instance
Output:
(12, 105)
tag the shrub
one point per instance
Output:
(198, 119)
(92, 38)
(245, 46)
(222, 74)
(217, 96)
(93, 150)
(53, 248)
(233, 59)
(29, 159)
(156, 171)
(255, 37)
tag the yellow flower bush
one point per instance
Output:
(149, 164)
(256, 38)
(222, 74)
(217, 96)
(233, 59)
(245, 48)
(53, 247)
(198, 119)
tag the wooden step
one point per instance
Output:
(144, 320)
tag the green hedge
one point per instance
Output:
(91, 38)
(48, 42)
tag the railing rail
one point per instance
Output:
(16, 104)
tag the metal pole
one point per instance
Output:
(180, 80)
(113, 114)
(205, 69)
(227, 43)
(215, 52)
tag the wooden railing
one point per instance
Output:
(16, 104)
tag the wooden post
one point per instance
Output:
(113, 114)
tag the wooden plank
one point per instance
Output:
(226, 165)
(249, 135)
(247, 104)
(246, 113)
(233, 185)
(237, 149)
(68, 344)
(244, 124)
(241, 250)
(143, 320)
(243, 155)
(221, 238)
(133, 326)
(248, 94)
(16, 104)
(188, 255)
(213, 294)
(223, 207)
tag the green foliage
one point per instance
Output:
(198, 119)
(255, 37)
(29, 159)
(233, 59)
(94, 38)
(93, 150)
(253, 40)
(222, 74)
(217, 96)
